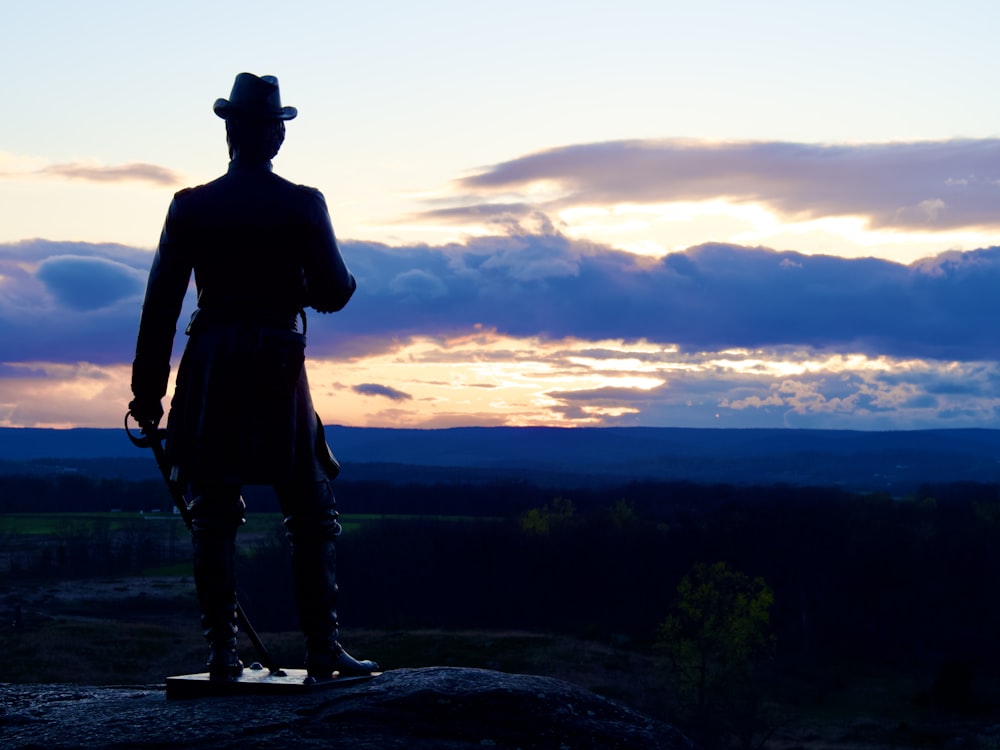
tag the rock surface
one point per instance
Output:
(443, 708)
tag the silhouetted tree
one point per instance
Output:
(718, 636)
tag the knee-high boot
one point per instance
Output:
(315, 585)
(215, 582)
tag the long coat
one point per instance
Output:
(261, 250)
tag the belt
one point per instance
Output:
(203, 317)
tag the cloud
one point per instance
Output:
(79, 302)
(852, 394)
(417, 284)
(531, 326)
(576, 383)
(373, 389)
(924, 185)
(70, 302)
(711, 297)
(30, 252)
(86, 283)
(59, 396)
(573, 332)
(132, 172)
(92, 172)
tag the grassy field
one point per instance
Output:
(34, 542)
(50, 524)
(53, 524)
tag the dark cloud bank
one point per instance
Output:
(71, 302)
(705, 299)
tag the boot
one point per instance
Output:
(223, 662)
(321, 665)
(215, 582)
(314, 574)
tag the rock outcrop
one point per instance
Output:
(443, 708)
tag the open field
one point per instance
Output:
(29, 541)
(53, 524)
(50, 524)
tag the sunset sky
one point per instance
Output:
(714, 214)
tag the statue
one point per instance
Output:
(262, 249)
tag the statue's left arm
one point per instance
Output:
(165, 290)
(329, 282)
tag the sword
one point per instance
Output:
(152, 437)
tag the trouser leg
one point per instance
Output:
(215, 513)
(311, 523)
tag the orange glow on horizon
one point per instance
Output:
(486, 379)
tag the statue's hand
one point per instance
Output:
(146, 411)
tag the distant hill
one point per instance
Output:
(891, 461)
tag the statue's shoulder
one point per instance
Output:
(304, 190)
(310, 191)
(196, 190)
(304, 195)
(180, 202)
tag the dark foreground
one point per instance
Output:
(435, 707)
(72, 677)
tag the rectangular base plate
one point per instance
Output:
(259, 682)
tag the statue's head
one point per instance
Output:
(255, 119)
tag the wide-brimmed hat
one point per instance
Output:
(254, 96)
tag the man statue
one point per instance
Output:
(262, 249)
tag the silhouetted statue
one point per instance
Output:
(261, 249)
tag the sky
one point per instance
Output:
(714, 214)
